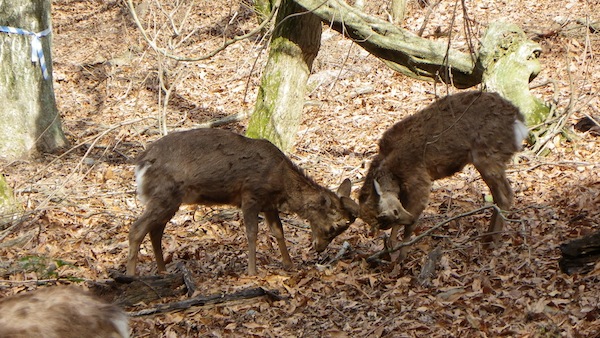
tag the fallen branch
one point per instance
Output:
(225, 120)
(204, 300)
(345, 247)
(375, 257)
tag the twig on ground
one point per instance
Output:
(376, 256)
(226, 120)
(345, 247)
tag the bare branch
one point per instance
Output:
(226, 44)
(377, 255)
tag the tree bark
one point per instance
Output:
(398, 11)
(401, 50)
(294, 46)
(29, 120)
(510, 61)
(505, 63)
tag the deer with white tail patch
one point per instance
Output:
(213, 166)
(471, 127)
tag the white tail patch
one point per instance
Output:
(140, 170)
(521, 133)
(122, 325)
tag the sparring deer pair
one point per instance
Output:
(209, 166)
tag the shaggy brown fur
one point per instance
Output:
(212, 166)
(471, 127)
(60, 312)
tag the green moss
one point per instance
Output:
(9, 206)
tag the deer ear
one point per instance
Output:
(377, 187)
(345, 188)
(350, 206)
(326, 202)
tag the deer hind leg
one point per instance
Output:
(250, 211)
(493, 172)
(274, 222)
(153, 221)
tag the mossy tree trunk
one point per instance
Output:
(10, 208)
(293, 48)
(510, 59)
(263, 9)
(29, 120)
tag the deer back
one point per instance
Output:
(60, 312)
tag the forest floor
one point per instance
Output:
(80, 204)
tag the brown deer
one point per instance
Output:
(213, 166)
(60, 312)
(471, 127)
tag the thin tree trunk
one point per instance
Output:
(398, 11)
(294, 46)
(29, 120)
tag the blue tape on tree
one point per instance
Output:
(37, 52)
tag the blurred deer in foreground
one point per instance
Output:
(471, 127)
(60, 312)
(212, 166)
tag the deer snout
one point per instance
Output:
(320, 245)
(385, 222)
(391, 212)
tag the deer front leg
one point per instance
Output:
(274, 222)
(415, 198)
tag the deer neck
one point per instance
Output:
(301, 194)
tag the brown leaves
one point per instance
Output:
(515, 290)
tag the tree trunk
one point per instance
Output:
(398, 11)
(10, 208)
(29, 120)
(510, 59)
(294, 46)
(263, 9)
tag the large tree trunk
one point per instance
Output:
(29, 120)
(294, 46)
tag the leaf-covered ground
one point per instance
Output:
(110, 91)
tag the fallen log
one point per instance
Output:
(130, 290)
(580, 255)
(204, 300)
